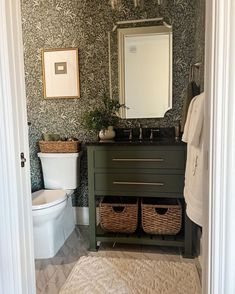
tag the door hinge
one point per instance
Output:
(22, 159)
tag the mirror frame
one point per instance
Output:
(153, 30)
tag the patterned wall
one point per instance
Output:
(84, 24)
(200, 40)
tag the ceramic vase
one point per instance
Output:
(107, 134)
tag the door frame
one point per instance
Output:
(17, 268)
(219, 207)
(16, 249)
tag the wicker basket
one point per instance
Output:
(59, 146)
(119, 214)
(161, 216)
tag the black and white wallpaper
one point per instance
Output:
(85, 24)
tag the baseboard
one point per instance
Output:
(81, 215)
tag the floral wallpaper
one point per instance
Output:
(85, 24)
(200, 41)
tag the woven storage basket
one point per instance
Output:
(119, 215)
(59, 146)
(161, 216)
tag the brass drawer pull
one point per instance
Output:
(138, 183)
(138, 159)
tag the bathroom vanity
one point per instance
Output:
(140, 169)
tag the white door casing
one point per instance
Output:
(16, 246)
(219, 237)
(209, 69)
(17, 270)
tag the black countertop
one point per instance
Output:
(160, 142)
(162, 137)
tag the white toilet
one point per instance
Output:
(53, 217)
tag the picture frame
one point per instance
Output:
(60, 70)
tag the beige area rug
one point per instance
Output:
(101, 275)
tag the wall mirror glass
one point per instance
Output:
(141, 71)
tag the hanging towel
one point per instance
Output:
(194, 174)
(192, 90)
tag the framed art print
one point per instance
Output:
(60, 73)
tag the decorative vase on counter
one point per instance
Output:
(107, 134)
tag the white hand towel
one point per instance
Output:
(185, 137)
(194, 174)
(194, 122)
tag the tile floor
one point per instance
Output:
(52, 273)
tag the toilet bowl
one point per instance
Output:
(47, 204)
(53, 217)
(48, 212)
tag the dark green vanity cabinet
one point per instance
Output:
(139, 170)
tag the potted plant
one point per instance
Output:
(103, 118)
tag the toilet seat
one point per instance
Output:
(44, 199)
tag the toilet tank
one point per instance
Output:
(60, 170)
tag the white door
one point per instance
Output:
(17, 274)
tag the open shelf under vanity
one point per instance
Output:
(140, 237)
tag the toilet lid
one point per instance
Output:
(46, 198)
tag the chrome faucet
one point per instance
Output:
(141, 132)
(129, 131)
(152, 133)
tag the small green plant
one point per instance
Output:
(102, 116)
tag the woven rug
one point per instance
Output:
(101, 275)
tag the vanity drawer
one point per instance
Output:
(165, 159)
(139, 182)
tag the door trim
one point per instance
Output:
(16, 250)
(218, 254)
(15, 211)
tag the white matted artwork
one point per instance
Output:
(60, 73)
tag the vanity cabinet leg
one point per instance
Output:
(92, 204)
(92, 225)
(188, 235)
